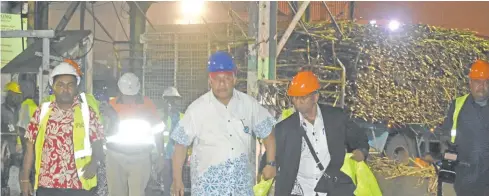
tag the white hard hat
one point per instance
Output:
(63, 69)
(129, 84)
(171, 92)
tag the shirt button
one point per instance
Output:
(232, 148)
(229, 120)
(316, 178)
(230, 135)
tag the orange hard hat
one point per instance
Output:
(479, 70)
(303, 83)
(75, 65)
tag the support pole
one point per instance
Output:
(264, 39)
(252, 78)
(83, 64)
(272, 71)
(291, 26)
(137, 20)
(100, 25)
(252, 86)
(43, 83)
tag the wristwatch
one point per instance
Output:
(272, 163)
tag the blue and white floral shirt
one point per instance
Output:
(222, 143)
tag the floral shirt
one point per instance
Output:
(58, 168)
(222, 157)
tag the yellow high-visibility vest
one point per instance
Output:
(459, 102)
(90, 99)
(32, 108)
(287, 112)
(166, 134)
(81, 141)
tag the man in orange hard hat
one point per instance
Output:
(311, 142)
(467, 125)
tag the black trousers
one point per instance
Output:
(62, 192)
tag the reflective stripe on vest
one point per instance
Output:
(32, 106)
(459, 102)
(82, 150)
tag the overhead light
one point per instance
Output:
(394, 25)
(373, 22)
(192, 7)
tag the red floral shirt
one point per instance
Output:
(58, 168)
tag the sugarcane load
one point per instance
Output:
(406, 76)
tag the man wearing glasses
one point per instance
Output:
(467, 125)
(221, 125)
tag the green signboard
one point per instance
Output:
(11, 47)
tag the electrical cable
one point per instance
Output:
(120, 22)
(91, 47)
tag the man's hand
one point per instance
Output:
(90, 170)
(269, 172)
(26, 188)
(177, 188)
(358, 155)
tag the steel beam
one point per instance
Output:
(100, 24)
(333, 19)
(143, 13)
(67, 17)
(291, 26)
(137, 20)
(27, 33)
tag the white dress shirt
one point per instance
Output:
(309, 174)
(221, 135)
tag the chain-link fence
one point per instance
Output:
(176, 59)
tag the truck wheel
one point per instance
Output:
(400, 148)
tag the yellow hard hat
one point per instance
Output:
(13, 86)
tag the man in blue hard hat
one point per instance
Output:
(221, 125)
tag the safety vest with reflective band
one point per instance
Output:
(81, 141)
(459, 102)
(32, 108)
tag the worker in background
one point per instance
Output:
(63, 141)
(330, 133)
(467, 125)
(132, 137)
(10, 114)
(27, 109)
(221, 124)
(173, 116)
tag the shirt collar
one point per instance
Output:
(319, 117)
(212, 97)
(76, 102)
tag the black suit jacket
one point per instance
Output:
(342, 135)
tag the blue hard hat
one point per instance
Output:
(221, 62)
